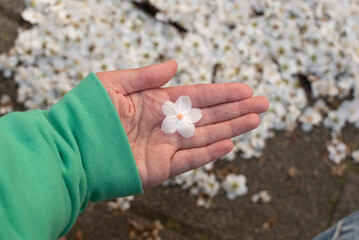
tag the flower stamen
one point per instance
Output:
(180, 116)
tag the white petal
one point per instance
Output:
(183, 104)
(185, 128)
(168, 108)
(231, 195)
(169, 125)
(194, 115)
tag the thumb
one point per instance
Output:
(139, 79)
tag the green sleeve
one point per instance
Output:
(53, 162)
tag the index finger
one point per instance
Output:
(204, 95)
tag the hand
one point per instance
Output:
(228, 110)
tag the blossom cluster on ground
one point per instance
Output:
(300, 54)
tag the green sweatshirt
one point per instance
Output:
(53, 162)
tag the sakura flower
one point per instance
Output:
(180, 117)
(310, 117)
(325, 87)
(31, 16)
(345, 85)
(121, 203)
(208, 166)
(235, 185)
(201, 202)
(355, 156)
(292, 117)
(232, 154)
(335, 120)
(258, 138)
(211, 185)
(7, 64)
(337, 151)
(288, 66)
(263, 196)
(5, 104)
(321, 106)
(248, 151)
(351, 110)
(4, 100)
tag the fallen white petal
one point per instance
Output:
(169, 125)
(185, 128)
(183, 104)
(194, 115)
(231, 195)
(168, 108)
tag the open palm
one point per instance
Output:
(228, 110)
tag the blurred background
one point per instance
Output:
(291, 178)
